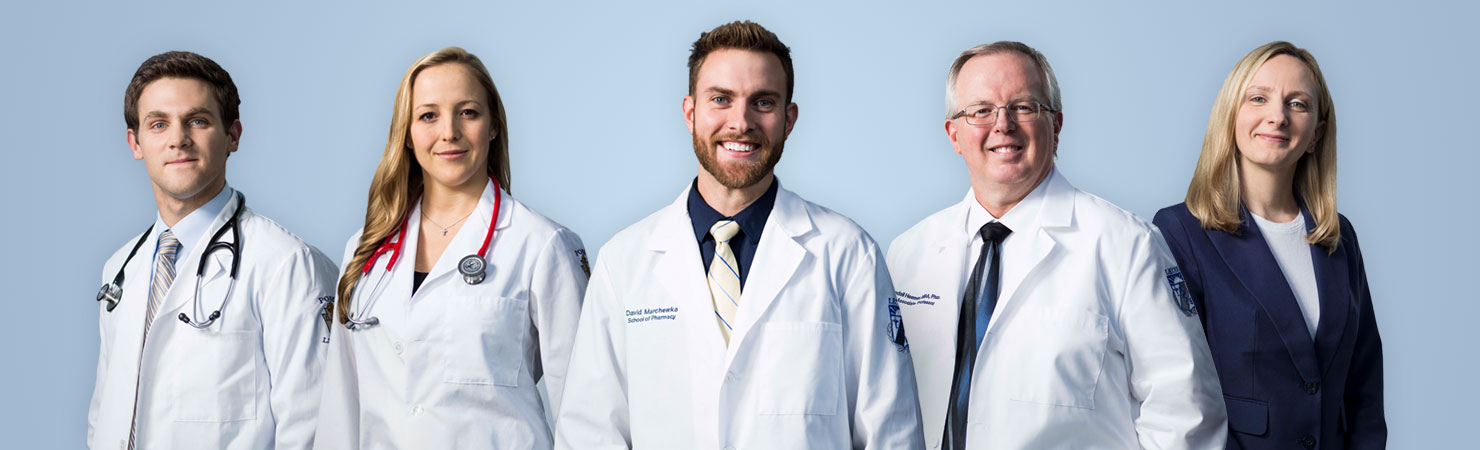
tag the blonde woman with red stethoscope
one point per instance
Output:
(456, 298)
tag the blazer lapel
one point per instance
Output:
(775, 263)
(1249, 258)
(1335, 298)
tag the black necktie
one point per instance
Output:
(969, 330)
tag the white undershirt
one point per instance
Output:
(1287, 242)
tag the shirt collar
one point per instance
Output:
(1021, 218)
(752, 219)
(193, 226)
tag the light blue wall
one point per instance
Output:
(598, 139)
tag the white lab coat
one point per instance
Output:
(238, 384)
(1087, 347)
(455, 365)
(810, 363)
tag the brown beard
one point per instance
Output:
(740, 174)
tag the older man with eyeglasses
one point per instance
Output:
(1043, 316)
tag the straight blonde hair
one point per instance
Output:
(398, 179)
(1215, 195)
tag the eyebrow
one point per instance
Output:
(1263, 89)
(1028, 98)
(460, 102)
(196, 111)
(727, 92)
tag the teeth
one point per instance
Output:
(1006, 149)
(738, 147)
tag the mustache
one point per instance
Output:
(750, 137)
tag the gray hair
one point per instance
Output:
(1050, 83)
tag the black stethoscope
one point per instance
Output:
(112, 292)
(472, 267)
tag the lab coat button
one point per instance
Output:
(397, 348)
(730, 376)
(416, 410)
(1308, 441)
(122, 444)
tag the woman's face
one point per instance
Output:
(1277, 120)
(451, 125)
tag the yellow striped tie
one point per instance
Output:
(724, 276)
(164, 275)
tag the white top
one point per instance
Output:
(1292, 252)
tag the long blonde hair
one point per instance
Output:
(1215, 195)
(398, 179)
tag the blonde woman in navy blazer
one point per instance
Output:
(1294, 341)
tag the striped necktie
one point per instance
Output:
(724, 276)
(164, 275)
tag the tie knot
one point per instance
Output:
(168, 244)
(723, 230)
(995, 232)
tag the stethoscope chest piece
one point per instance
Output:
(112, 293)
(473, 269)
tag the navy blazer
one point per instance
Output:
(1284, 390)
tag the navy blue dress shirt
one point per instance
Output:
(752, 221)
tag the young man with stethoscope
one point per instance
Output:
(211, 326)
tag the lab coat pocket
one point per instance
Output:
(483, 340)
(216, 378)
(1054, 354)
(799, 367)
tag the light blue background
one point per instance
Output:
(598, 140)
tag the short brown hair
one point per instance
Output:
(741, 35)
(181, 65)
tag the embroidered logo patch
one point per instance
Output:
(896, 327)
(1179, 292)
(581, 252)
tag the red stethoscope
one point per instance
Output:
(474, 268)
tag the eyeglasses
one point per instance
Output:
(985, 114)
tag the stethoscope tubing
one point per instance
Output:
(360, 318)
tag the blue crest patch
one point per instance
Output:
(1179, 292)
(896, 327)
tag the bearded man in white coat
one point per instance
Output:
(740, 316)
(225, 359)
(1042, 316)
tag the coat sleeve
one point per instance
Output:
(598, 374)
(880, 374)
(1172, 229)
(1171, 369)
(1366, 422)
(556, 290)
(339, 408)
(102, 370)
(294, 341)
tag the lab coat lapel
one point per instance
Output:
(683, 281)
(468, 240)
(947, 252)
(182, 290)
(1335, 300)
(774, 264)
(1055, 215)
(1248, 256)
